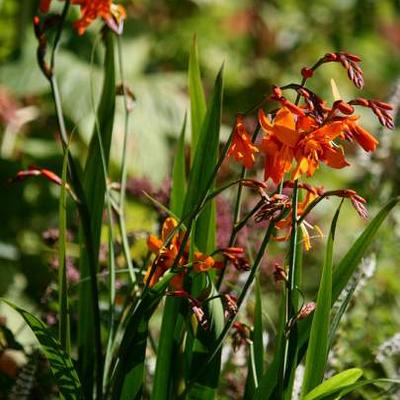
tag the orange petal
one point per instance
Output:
(168, 226)
(334, 157)
(367, 141)
(154, 244)
(285, 128)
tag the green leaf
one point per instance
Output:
(204, 386)
(357, 385)
(317, 352)
(256, 348)
(64, 326)
(201, 174)
(340, 306)
(345, 269)
(61, 364)
(201, 181)
(178, 190)
(167, 350)
(269, 380)
(94, 179)
(334, 384)
(258, 333)
(168, 345)
(94, 191)
(197, 98)
(128, 371)
(343, 272)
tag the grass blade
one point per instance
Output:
(168, 346)
(258, 333)
(350, 388)
(94, 189)
(203, 168)
(196, 94)
(178, 190)
(256, 348)
(128, 372)
(204, 386)
(317, 352)
(269, 380)
(64, 326)
(347, 266)
(345, 269)
(61, 364)
(335, 384)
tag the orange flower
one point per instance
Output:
(286, 223)
(165, 254)
(294, 137)
(278, 143)
(242, 148)
(113, 15)
(367, 141)
(317, 146)
(202, 262)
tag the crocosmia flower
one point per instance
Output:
(242, 149)
(113, 15)
(166, 257)
(302, 139)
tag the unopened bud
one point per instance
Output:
(307, 72)
(306, 310)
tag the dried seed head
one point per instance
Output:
(229, 302)
(240, 335)
(306, 310)
(272, 207)
(279, 273)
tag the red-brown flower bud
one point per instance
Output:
(307, 72)
(306, 310)
(343, 107)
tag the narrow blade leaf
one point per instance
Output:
(335, 384)
(196, 94)
(64, 326)
(345, 269)
(178, 190)
(61, 364)
(94, 189)
(317, 351)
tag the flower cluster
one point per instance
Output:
(167, 250)
(113, 15)
(297, 138)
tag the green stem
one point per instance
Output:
(290, 307)
(124, 171)
(237, 211)
(192, 215)
(82, 206)
(242, 296)
(111, 255)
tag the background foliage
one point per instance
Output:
(261, 43)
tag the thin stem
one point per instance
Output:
(111, 255)
(87, 232)
(290, 287)
(240, 300)
(237, 211)
(58, 35)
(82, 206)
(124, 171)
(192, 215)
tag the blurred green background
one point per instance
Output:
(260, 43)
